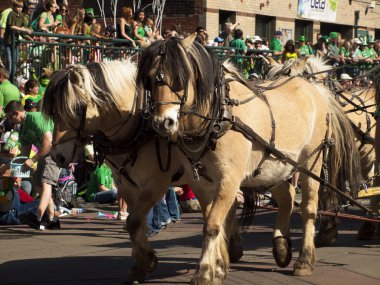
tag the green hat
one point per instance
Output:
(302, 39)
(324, 39)
(333, 35)
(90, 11)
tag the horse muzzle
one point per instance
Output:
(166, 126)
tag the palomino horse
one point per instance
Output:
(221, 124)
(359, 107)
(98, 102)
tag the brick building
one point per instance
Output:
(257, 17)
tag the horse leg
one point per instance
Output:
(214, 263)
(231, 228)
(328, 231)
(282, 247)
(145, 257)
(305, 262)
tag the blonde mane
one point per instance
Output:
(107, 86)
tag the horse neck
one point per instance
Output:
(118, 126)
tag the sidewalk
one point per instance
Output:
(91, 250)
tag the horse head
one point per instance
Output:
(82, 103)
(180, 74)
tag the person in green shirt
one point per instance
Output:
(101, 189)
(239, 43)
(8, 91)
(304, 49)
(37, 130)
(333, 49)
(276, 44)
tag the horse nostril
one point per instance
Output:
(169, 123)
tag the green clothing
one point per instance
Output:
(345, 52)
(3, 17)
(305, 50)
(239, 44)
(372, 53)
(102, 175)
(276, 45)
(140, 32)
(13, 19)
(8, 92)
(59, 19)
(41, 90)
(33, 129)
(45, 16)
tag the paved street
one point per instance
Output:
(91, 250)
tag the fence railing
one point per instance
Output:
(56, 51)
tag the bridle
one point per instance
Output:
(160, 81)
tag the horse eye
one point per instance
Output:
(147, 85)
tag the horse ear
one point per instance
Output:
(189, 40)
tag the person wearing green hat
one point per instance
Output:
(367, 61)
(333, 49)
(304, 49)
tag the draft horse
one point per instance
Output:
(232, 134)
(359, 107)
(99, 103)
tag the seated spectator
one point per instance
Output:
(189, 203)
(125, 26)
(8, 91)
(333, 49)
(31, 91)
(102, 190)
(149, 30)
(14, 202)
(46, 20)
(62, 17)
(290, 51)
(345, 81)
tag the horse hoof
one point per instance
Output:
(199, 280)
(282, 251)
(326, 237)
(366, 231)
(136, 276)
(235, 253)
(302, 267)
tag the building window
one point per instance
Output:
(265, 26)
(304, 28)
(224, 17)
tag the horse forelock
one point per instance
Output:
(65, 94)
(182, 66)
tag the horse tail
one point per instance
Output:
(344, 156)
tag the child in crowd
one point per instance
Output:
(31, 91)
(188, 201)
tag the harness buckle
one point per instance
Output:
(196, 167)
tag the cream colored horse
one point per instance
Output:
(359, 107)
(190, 92)
(98, 102)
